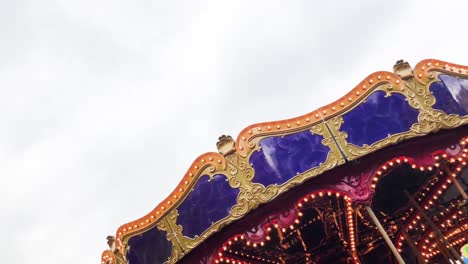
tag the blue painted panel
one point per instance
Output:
(151, 247)
(451, 95)
(209, 202)
(378, 117)
(281, 158)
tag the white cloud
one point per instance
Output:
(105, 104)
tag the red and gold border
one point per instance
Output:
(212, 162)
(206, 163)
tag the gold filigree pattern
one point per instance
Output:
(207, 164)
(254, 194)
(251, 194)
(240, 175)
(173, 235)
(418, 97)
(249, 137)
(233, 157)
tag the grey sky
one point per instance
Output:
(105, 104)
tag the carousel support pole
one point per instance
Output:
(444, 251)
(385, 235)
(436, 230)
(414, 249)
(456, 182)
(459, 188)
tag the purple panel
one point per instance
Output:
(378, 117)
(151, 247)
(451, 95)
(209, 202)
(280, 158)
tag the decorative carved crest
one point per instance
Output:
(403, 70)
(226, 145)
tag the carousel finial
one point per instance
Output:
(403, 70)
(226, 145)
(111, 243)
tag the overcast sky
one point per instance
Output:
(104, 104)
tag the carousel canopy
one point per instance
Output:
(378, 176)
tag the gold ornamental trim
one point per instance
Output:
(232, 159)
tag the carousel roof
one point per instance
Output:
(300, 190)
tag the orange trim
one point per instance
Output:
(108, 257)
(318, 115)
(216, 162)
(212, 161)
(422, 70)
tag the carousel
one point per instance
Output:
(378, 176)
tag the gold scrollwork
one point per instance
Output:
(253, 194)
(233, 161)
(240, 174)
(430, 120)
(418, 97)
(173, 235)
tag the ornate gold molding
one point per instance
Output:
(240, 175)
(233, 157)
(418, 96)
